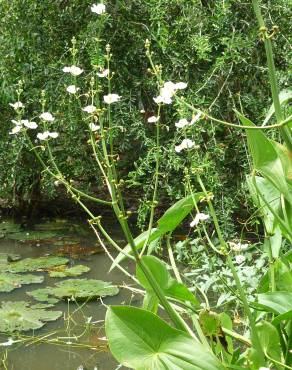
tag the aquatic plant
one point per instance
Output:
(78, 289)
(20, 316)
(9, 281)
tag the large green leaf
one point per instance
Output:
(140, 340)
(277, 302)
(268, 194)
(270, 340)
(284, 97)
(167, 223)
(171, 287)
(265, 158)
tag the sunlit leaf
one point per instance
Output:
(140, 340)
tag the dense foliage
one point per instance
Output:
(213, 46)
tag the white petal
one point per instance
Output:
(54, 135)
(72, 89)
(103, 73)
(76, 71)
(15, 130)
(16, 105)
(31, 125)
(182, 123)
(111, 98)
(180, 85)
(239, 259)
(93, 127)
(46, 116)
(43, 135)
(153, 119)
(98, 8)
(89, 109)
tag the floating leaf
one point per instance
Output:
(79, 289)
(36, 264)
(64, 271)
(32, 235)
(18, 316)
(9, 282)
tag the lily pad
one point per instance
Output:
(77, 251)
(9, 282)
(36, 264)
(32, 235)
(9, 257)
(79, 289)
(18, 316)
(64, 271)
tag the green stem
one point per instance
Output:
(285, 132)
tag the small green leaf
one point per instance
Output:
(64, 271)
(36, 264)
(284, 97)
(140, 340)
(167, 223)
(265, 158)
(171, 287)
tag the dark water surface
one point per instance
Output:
(64, 355)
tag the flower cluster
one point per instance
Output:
(98, 8)
(183, 122)
(199, 217)
(74, 70)
(167, 91)
(185, 144)
(21, 124)
(16, 105)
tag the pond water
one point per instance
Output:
(56, 346)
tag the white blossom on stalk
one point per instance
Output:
(103, 73)
(238, 247)
(185, 144)
(46, 116)
(18, 123)
(45, 135)
(89, 109)
(195, 118)
(15, 130)
(153, 119)
(98, 8)
(93, 127)
(239, 259)
(111, 98)
(72, 89)
(17, 105)
(182, 123)
(29, 124)
(74, 70)
(199, 217)
(180, 85)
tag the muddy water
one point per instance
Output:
(64, 355)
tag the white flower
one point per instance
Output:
(89, 109)
(103, 73)
(16, 122)
(45, 135)
(74, 70)
(180, 85)
(239, 259)
(153, 119)
(195, 118)
(238, 247)
(16, 105)
(15, 130)
(8, 343)
(111, 98)
(93, 127)
(46, 116)
(166, 99)
(182, 123)
(29, 124)
(72, 89)
(199, 217)
(98, 8)
(54, 135)
(185, 144)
